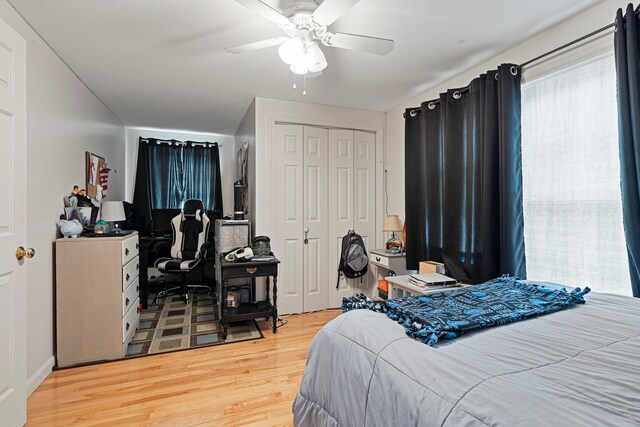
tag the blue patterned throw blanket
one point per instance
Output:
(449, 314)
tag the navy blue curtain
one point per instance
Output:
(169, 174)
(627, 51)
(463, 179)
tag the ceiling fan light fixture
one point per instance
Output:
(299, 67)
(315, 58)
(291, 50)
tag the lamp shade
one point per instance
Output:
(291, 50)
(112, 211)
(392, 223)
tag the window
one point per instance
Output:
(571, 175)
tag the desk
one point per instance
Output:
(252, 310)
(147, 243)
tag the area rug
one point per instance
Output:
(172, 325)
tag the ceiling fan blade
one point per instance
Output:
(330, 10)
(276, 41)
(265, 10)
(360, 43)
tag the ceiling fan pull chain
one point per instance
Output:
(304, 84)
(294, 81)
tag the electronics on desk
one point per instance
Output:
(240, 254)
(231, 234)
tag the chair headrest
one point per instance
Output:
(192, 206)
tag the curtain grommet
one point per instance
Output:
(514, 70)
(457, 95)
(496, 76)
(431, 106)
(413, 113)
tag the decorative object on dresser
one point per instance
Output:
(431, 267)
(392, 224)
(97, 304)
(112, 212)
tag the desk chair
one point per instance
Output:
(188, 250)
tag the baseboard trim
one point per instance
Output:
(41, 374)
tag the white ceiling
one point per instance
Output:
(161, 63)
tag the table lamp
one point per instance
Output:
(113, 212)
(393, 224)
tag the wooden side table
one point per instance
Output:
(251, 310)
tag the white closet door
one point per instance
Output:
(287, 215)
(364, 196)
(340, 202)
(316, 265)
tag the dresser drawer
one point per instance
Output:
(380, 260)
(129, 249)
(130, 320)
(130, 272)
(129, 296)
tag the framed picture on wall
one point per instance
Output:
(94, 165)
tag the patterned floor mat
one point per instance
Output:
(171, 325)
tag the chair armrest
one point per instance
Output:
(206, 248)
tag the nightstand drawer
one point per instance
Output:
(130, 272)
(130, 296)
(380, 260)
(129, 249)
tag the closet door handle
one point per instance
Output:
(306, 235)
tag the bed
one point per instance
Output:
(580, 366)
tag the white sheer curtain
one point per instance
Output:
(571, 175)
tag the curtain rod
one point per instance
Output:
(433, 103)
(180, 143)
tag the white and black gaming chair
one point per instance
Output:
(188, 250)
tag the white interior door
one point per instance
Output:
(340, 204)
(13, 276)
(316, 274)
(364, 197)
(287, 214)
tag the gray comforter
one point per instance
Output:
(576, 367)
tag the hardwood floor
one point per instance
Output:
(246, 383)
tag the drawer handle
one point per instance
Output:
(138, 309)
(137, 267)
(126, 301)
(126, 251)
(137, 288)
(128, 326)
(127, 278)
(137, 245)
(378, 259)
(252, 270)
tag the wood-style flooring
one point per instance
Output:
(246, 383)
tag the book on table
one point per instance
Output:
(430, 280)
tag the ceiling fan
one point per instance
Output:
(306, 25)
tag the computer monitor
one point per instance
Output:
(162, 220)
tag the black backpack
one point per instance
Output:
(354, 261)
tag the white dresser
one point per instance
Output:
(97, 302)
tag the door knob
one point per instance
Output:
(21, 252)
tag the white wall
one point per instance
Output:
(226, 150)
(247, 133)
(64, 119)
(571, 29)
